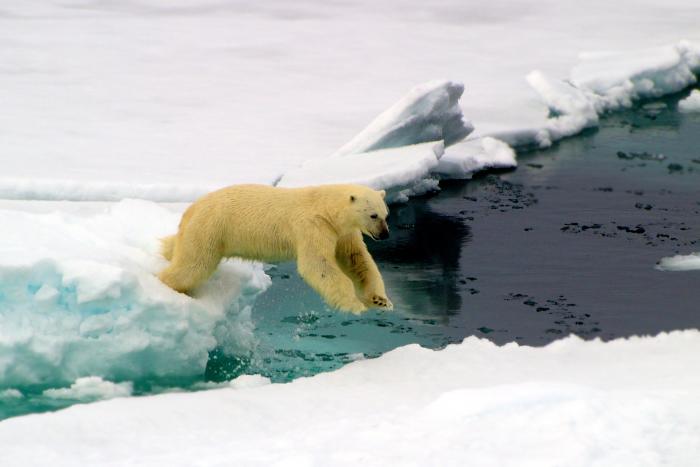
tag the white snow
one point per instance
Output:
(167, 100)
(73, 190)
(690, 103)
(78, 297)
(400, 169)
(680, 263)
(573, 403)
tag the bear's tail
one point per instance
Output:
(167, 245)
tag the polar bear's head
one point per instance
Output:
(368, 212)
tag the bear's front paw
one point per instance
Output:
(381, 302)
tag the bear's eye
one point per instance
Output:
(373, 216)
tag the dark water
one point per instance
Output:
(566, 243)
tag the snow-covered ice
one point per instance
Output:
(400, 170)
(429, 112)
(689, 262)
(72, 190)
(626, 402)
(616, 79)
(690, 103)
(468, 157)
(167, 100)
(606, 81)
(399, 149)
(78, 297)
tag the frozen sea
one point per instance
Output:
(554, 305)
(587, 219)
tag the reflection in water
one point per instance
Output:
(420, 260)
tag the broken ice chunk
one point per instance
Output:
(429, 112)
(468, 157)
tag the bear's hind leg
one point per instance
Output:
(167, 245)
(189, 269)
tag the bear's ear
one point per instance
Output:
(352, 198)
(383, 193)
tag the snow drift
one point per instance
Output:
(574, 403)
(78, 297)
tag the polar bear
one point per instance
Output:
(321, 227)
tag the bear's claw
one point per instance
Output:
(382, 302)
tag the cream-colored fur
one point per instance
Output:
(321, 227)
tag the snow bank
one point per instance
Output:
(690, 103)
(402, 171)
(571, 403)
(680, 263)
(606, 81)
(429, 112)
(616, 79)
(78, 297)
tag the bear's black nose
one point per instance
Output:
(383, 235)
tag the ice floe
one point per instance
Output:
(78, 297)
(616, 79)
(689, 262)
(690, 103)
(575, 403)
(429, 112)
(606, 81)
(464, 159)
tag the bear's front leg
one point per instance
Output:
(357, 263)
(320, 270)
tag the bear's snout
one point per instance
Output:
(384, 233)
